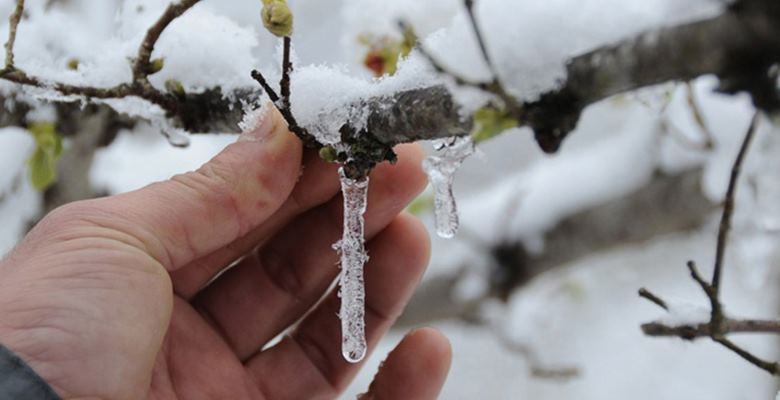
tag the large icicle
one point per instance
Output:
(441, 173)
(353, 258)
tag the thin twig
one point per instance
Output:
(719, 325)
(728, 206)
(698, 116)
(730, 326)
(644, 293)
(258, 76)
(141, 66)
(283, 100)
(287, 69)
(771, 367)
(480, 38)
(13, 25)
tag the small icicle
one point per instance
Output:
(441, 173)
(353, 258)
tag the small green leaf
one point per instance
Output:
(48, 149)
(489, 122)
(277, 17)
(43, 171)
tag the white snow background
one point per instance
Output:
(586, 313)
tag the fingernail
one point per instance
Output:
(259, 124)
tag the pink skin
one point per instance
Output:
(115, 299)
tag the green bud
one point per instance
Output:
(329, 154)
(156, 66)
(174, 86)
(73, 64)
(277, 17)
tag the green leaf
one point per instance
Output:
(48, 149)
(489, 122)
(43, 170)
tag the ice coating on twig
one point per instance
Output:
(441, 173)
(353, 258)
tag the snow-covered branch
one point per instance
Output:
(739, 46)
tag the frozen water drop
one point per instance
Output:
(177, 137)
(441, 173)
(353, 258)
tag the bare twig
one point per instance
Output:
(480, 38)
(698, 116)
(287, 70)
(644, 293)
(728, 206)
(719, 324)
(282, 100)
(13, 25)
(771, 367)
(729, 326)
(256, 75)
(141, 66)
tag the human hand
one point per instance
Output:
(121, 297)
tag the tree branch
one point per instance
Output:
(13, 25)
(736, 46)
(141, 66)
(728, 206)
(704, 330)
(719, 324)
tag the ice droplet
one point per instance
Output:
(177, 137)
(441, 173)
(353, 258)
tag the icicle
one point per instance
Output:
(353, 258)
(441, 173)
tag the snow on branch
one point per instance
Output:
(739, 46)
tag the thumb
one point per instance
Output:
(196, 213)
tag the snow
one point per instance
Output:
(353, 258)
(20, 202)
(325, 97)
(685, 313)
